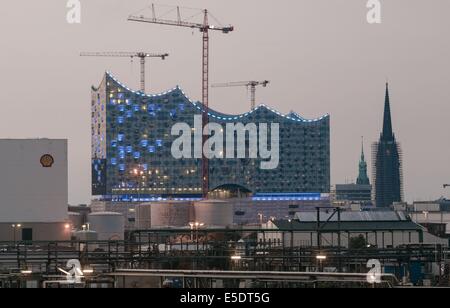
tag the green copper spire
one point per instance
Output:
(363, 179)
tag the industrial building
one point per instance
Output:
(34, 190)
(356, 193)
(132, 160)
(377, 229)
(433, 214)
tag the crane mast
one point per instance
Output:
(205, 99)
(141, 55)
(204, 27)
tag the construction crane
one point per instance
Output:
(204, 28)
(249, 84)
(141, 55)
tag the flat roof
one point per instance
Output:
(349, 226)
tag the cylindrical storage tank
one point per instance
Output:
(170, 214)
(143, 216)
(85, 236)
(214, 213)
(76, 220)
(109, 226)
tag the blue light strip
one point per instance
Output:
(257, 197)
(308, 195)
(149, 198)
(216, 114)
(287, 197)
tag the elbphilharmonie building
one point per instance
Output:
(132, 158)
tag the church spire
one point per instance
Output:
(363, 179)
(362, 148)
(387, 121)
(387, 166)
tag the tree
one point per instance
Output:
(358, 242)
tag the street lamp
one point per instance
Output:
(235, 261)
(292, 234)
(88, 270)
(15, 227)
(195, 226)
(321, 258)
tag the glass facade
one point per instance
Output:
(131, 148)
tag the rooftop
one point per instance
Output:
(353, 226)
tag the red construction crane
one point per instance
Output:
(140, 55)
(204, 27)
(249, 84)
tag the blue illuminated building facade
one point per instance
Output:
(132, 160)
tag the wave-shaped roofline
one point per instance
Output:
(215, 114)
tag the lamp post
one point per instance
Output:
(235, 261)
(292, 235)
(194, 227)
(15, 227)
(321, 258)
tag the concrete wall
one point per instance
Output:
(41, 231)
(30, 192)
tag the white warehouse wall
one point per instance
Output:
(30, 192)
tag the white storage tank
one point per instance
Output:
(170, 214)
(110, 226)
(143, 216)
(85, 235)
(214, 213)
(87, 238)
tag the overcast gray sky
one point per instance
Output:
(320, 55)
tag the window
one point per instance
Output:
(27, 234)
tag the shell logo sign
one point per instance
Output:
(47, 161)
